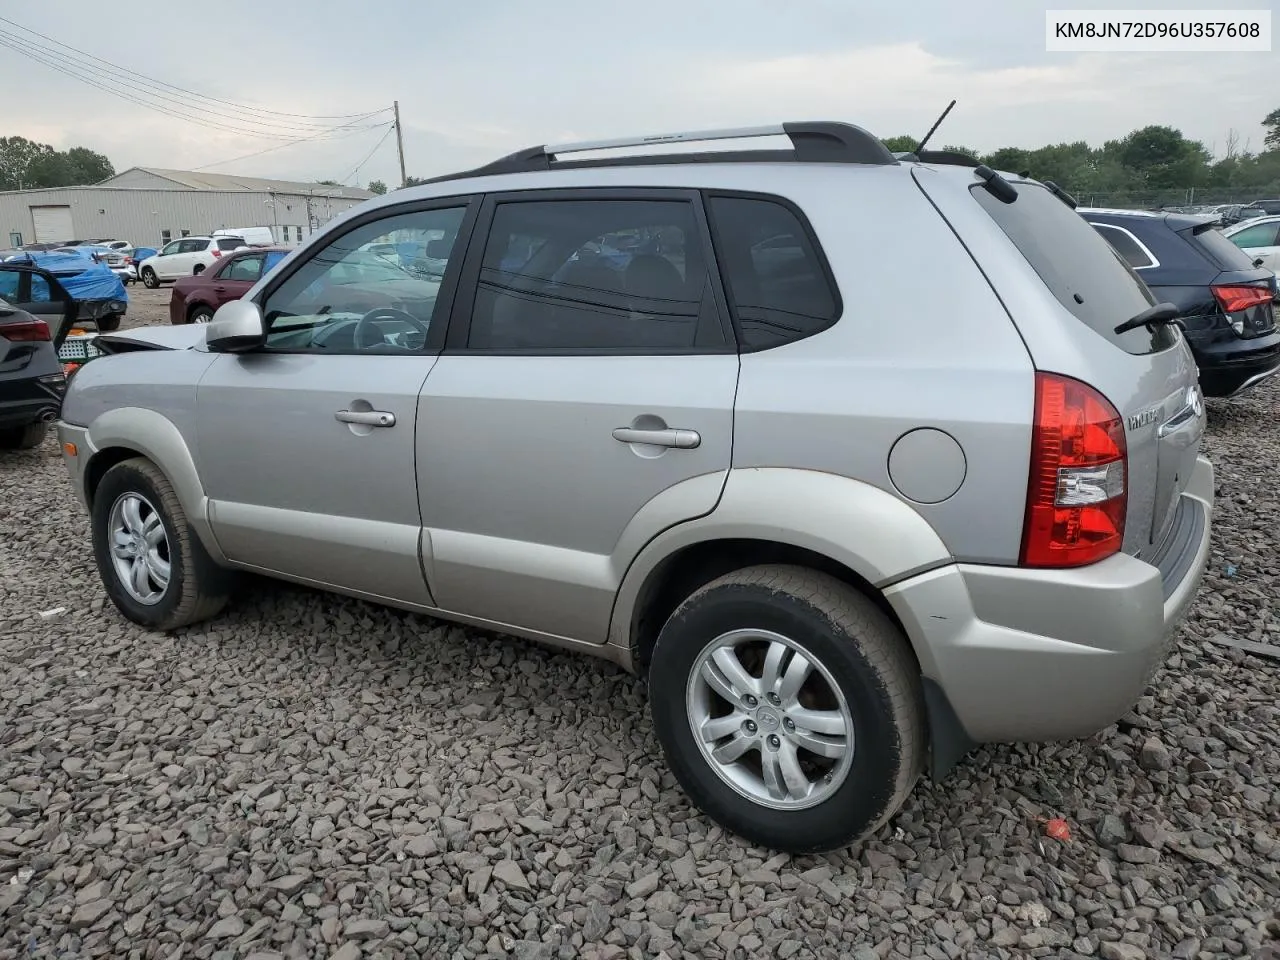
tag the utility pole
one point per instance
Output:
(400, 143)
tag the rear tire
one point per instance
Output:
(197, 269)
(24, 438)
(149, 279)
(137, 521)
(857, 702)
(108, 323)
(200, 315)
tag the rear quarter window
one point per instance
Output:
(778, 281)
(1134, 253)
(1084, 272)
(229, 243)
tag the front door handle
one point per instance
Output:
(680, 439)
(368, 418)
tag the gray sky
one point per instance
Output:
(476, 81)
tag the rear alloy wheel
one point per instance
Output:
(149, 278)
(24, 438)
(108, 323)
(152, 564)
(789, 708)
(200, 315)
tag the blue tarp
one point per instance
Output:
(141, 253)
(82, 276)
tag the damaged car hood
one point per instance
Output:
(186, 337)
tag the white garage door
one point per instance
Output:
(52, 224)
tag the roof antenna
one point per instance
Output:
(937, 123)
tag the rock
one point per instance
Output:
(1131, 853)
(366, 928)
(321, 829)
(225, 928)
(1121, 951)
(1111, 830)
(272, 801)
(1218, 897)
(1155, 755)
(509, 872)
(87, 914)
(348, 951)
(487, 822)
(644, 885)
(597, 923)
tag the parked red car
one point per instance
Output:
(195, 298)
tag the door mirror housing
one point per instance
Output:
(236, 327)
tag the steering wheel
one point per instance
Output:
(366, 334)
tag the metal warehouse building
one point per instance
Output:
(150, 207)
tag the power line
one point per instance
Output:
(153, 80)
(281, 146)
(381, 141)
(131, 98)
(82, 71)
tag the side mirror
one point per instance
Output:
(236, 327)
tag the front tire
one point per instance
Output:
(789, 708)
(24, 438)
(108, 323)
(153, 566)
(149, 279)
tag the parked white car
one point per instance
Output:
(253, 236)
(1259, 238)
(185, 258)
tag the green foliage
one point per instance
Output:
(377, 186)
(1272, 123)
(26, 164)
(413, 182)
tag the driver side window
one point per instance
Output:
(372, 289)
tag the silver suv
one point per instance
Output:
(861, 458)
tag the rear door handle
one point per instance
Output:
(680, 439)
(369, 418)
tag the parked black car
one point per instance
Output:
(1270, 206)
(1227, 304)
(32, 381)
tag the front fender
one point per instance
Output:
(157, 438)
(873, 533)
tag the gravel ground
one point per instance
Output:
(310, 776)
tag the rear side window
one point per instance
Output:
(777, 281)
(1126, 245)
(624, 275)
(1083, 271)
(229, 243)
(1259, 235)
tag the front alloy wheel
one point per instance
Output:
(139, 548)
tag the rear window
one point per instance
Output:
(230, 243)
(1222, 251)
(1082, 270)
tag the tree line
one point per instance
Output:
(1153, 166)
(25, 164)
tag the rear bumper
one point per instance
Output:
(1229, 373)
(1033, 655)
(35, 396)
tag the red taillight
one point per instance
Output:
(25, 331)
(1077, 495)
(1235, 299)
(216, 252)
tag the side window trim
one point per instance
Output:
(459, 327)
(811, 235)
(1146, 251)
(449, 286)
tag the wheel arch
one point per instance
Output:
(127, 432)
(855, 532)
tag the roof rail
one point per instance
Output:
(811, 142)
